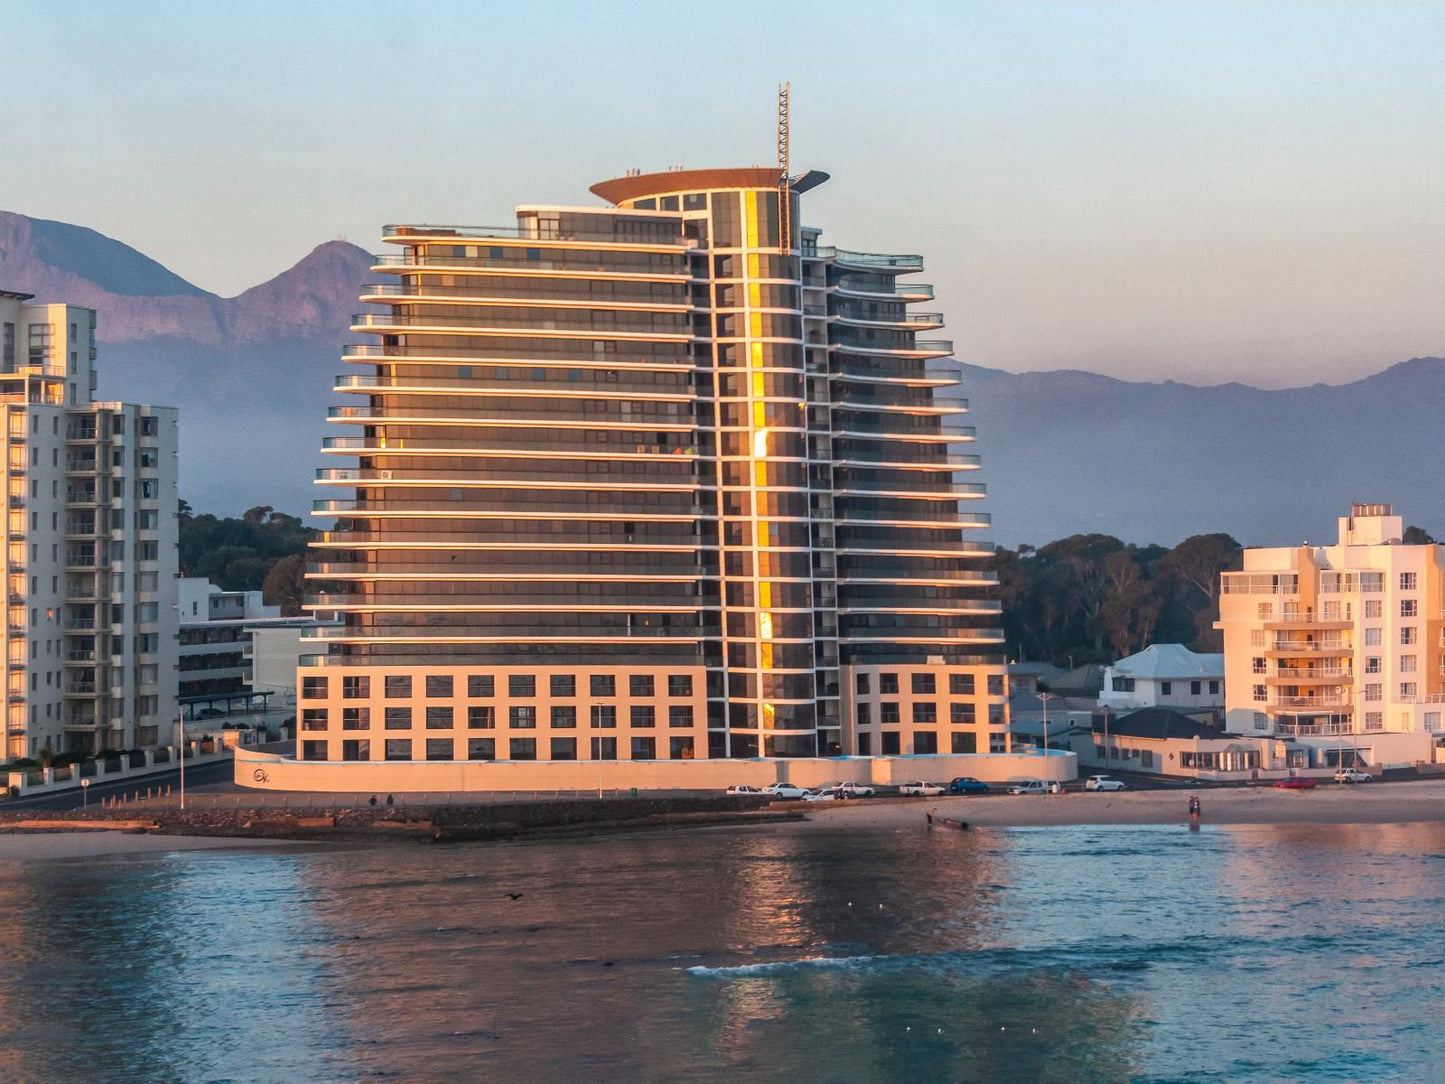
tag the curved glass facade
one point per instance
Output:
(656, 433)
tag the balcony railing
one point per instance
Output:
(1312, 703)
(440, 234)
(883, 261)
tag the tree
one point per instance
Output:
(1198, 561)
(285, 585)
(1417, 536)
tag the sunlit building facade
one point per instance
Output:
(91, 534)
(650, 481)
(1340, 648)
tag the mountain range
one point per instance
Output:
(1063, 451)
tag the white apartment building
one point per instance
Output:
(1340, 648)
(90, 545)
(1164, 676)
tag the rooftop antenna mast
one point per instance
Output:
(785, 224)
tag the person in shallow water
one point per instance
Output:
(1194, 806)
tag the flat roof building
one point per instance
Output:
(662, 480)
(1340, 648)
(91, 533)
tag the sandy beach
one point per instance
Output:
(1329, 803)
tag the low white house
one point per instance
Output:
(1165, 675)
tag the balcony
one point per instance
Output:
(1309, 647)
(1338, 675)
(921, 348)
(81, 496)
(410, 234)
(1307, 730)
(871, 261)
(1297, 704)
(1308, 621)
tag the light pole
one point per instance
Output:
(181, 748)
(1044, 698)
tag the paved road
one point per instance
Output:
(204, 778)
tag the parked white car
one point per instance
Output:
(1103, 782)
(854, 790)
(786, 790)
(821, 796)
(1353, 775)
(1029, 786)
(922, 789)
(743, 788)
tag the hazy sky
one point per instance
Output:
(1202, 192)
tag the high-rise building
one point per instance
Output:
(1340, 647)
(665, 479)
(90, 630)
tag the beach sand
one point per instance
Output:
(41, 846)
(1329, 803)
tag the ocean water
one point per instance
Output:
(785, 953)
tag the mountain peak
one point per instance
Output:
(53, 259)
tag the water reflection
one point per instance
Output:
(1049, 954)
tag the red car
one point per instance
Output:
(1296, 784)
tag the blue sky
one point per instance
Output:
(1202, 192)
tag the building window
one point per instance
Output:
(481, 717)
(1264, 611)
(680, 748)
(925, 711)
(1407, 581)
(1374, 609)
(1122, 684)
(1407, 635)
(522, 748)
(354, 687)
(604, 748)
(865, 745)
(604, 716)
(313, 750)
(997, 743)
(640, 685)
(679, 685)
(679, 716)
(564, 685)
(522, 684)
(1409, 607)
(481, 748)
(356, 749)
(1196, 688)
(964, 743)
(356, 719)
(438, 686)
(564, 748)
(398, 719)
(925, 742)
(888, 712)
(480, 685)
(861, 684)
(1166, 688)
(1214, 688)
(439, 719)
(1372, 637)
(398, 748)
(1261, 693)
(863, 713)
(891, 743)
(313, 719)
(564, 717)
(1374, 720)
(398, 686)
(962, 714)
(1372, 664)
(923, 684)
(522, 717)
(960, 684)
(1408, 690)
(603, 685)
(439, 749)
(644, 748)
(888, 684)
(313, 688)
(644, 716)
(1374, 692)
(1146, 758)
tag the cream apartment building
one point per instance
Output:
(661, 480)
(90, 545)
(1340, 648)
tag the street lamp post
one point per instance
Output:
(181, 748)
